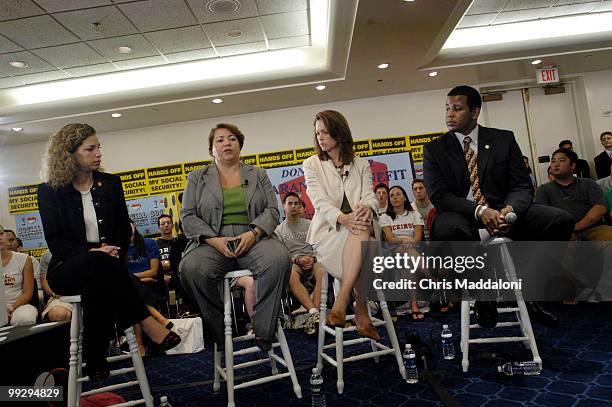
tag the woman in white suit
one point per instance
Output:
(340, 186)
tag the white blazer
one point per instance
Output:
(326, 188)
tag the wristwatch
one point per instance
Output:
(253, 229)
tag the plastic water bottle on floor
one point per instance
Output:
(448, 348)
(520, 368)
(163, 402)
(412, 374)
(316, 389)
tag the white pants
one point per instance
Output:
(24, 315)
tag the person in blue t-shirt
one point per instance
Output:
(143, 262)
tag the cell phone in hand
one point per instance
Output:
(232, 245)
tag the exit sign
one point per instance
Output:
(547, 75)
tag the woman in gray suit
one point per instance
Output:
(229, 213)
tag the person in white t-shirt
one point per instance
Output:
(18, 276)
(402, 224)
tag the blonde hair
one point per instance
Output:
(59, 163)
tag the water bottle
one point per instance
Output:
(163, 402)
(448, 348)
(316, 389)
(412, 374)
(520, 368)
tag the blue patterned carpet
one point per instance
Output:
(577, 361)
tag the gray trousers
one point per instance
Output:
(202, 270)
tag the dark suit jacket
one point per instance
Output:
(61, 211)
(501, 172)
(582, 169)
(602, 165)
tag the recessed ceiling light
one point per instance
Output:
(234, 34)
(320, 87)
(17, 129)
(124, 49)
(535, 62)
(217, 100)
(432, 74)
(116, 115)
(408, 1)
(383, 66)
(19, 64)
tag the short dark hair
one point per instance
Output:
(604, 133)
(164, 215)
(19, 242)
(381, 185)
(338, 129)
(417, 181)
(573, 157)
(564, 142)
(10, 231)
(474, 99)
(288, 194)
(232, 128)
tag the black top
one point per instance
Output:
(602, 164)
(61, 211)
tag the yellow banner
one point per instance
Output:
(23, 199)
(37, 253)
(165, 179)
(276, 159)
(134, 183)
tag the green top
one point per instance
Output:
(234, 207)
(609, 199)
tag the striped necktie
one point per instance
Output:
(470, 159)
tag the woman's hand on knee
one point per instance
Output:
(108, 249)
(247, 241)
(354, 225)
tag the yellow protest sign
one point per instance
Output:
(23, 199)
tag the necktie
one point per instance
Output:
(470, 159)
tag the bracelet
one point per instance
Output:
(256, 234)
(480, 211)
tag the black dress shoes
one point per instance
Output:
(540, 315)
(486, 313)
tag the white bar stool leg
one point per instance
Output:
(391, 332)
(280, 334)
(340, 359)
(272, 361)
(217, 382)
(73, 372)
(372, 342)
(139, 369)
(229, 348)
(322, 319)
(465, 334)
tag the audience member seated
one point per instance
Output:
(529, 171)
(582, 170)
(302, 212)
(603, 161)
(606, 187)
(382, 196)
(581, 197)
(235, 236)
(340, 186)
(18, 283)
(422, 204)
(143, 265)
(16, 245)
(402, 224)
(164, 244)
(305, 268)
(56, 310)
(87, 228)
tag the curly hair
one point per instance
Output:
(59, 163)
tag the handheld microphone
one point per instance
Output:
(510, 217)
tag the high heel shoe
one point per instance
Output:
(368, 332)
(169, 325)
(336, 319)
(170, 341)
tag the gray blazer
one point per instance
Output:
(202, 209)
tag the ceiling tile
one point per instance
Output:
(251, 32)
(248, 8)
(10, 9)
(36, 32)
(241, 48)
(516, 16)
(112, 23)
(8, 46)
(281, 6)
(11, 82)
(528, 4)
(140, 62)
(91, 69)
(43, 77)
(179, 39)
(604, 6)
(69, 56)
(36, 64)
(290, 42)
(140, 47)
(191, 55)
(54, 6)
(286, 24)
(476, 20)
(153, 15)
(564, 2)
(486, 6)
(570, 9)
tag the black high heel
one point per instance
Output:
(169, 325)
(170, 341)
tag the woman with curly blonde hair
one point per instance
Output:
(88, 231)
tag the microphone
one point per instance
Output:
(245, 184)
(510, 217)
(346, 173)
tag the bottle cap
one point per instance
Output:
(444, 326)
(408, 346)
(163, 399)
(499, 368)
(315, 370)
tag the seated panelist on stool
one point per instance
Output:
(234, 236)
(87, 229)
(475, 177)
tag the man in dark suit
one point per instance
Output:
(582, 169)
(604, 160)
(481, 196)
